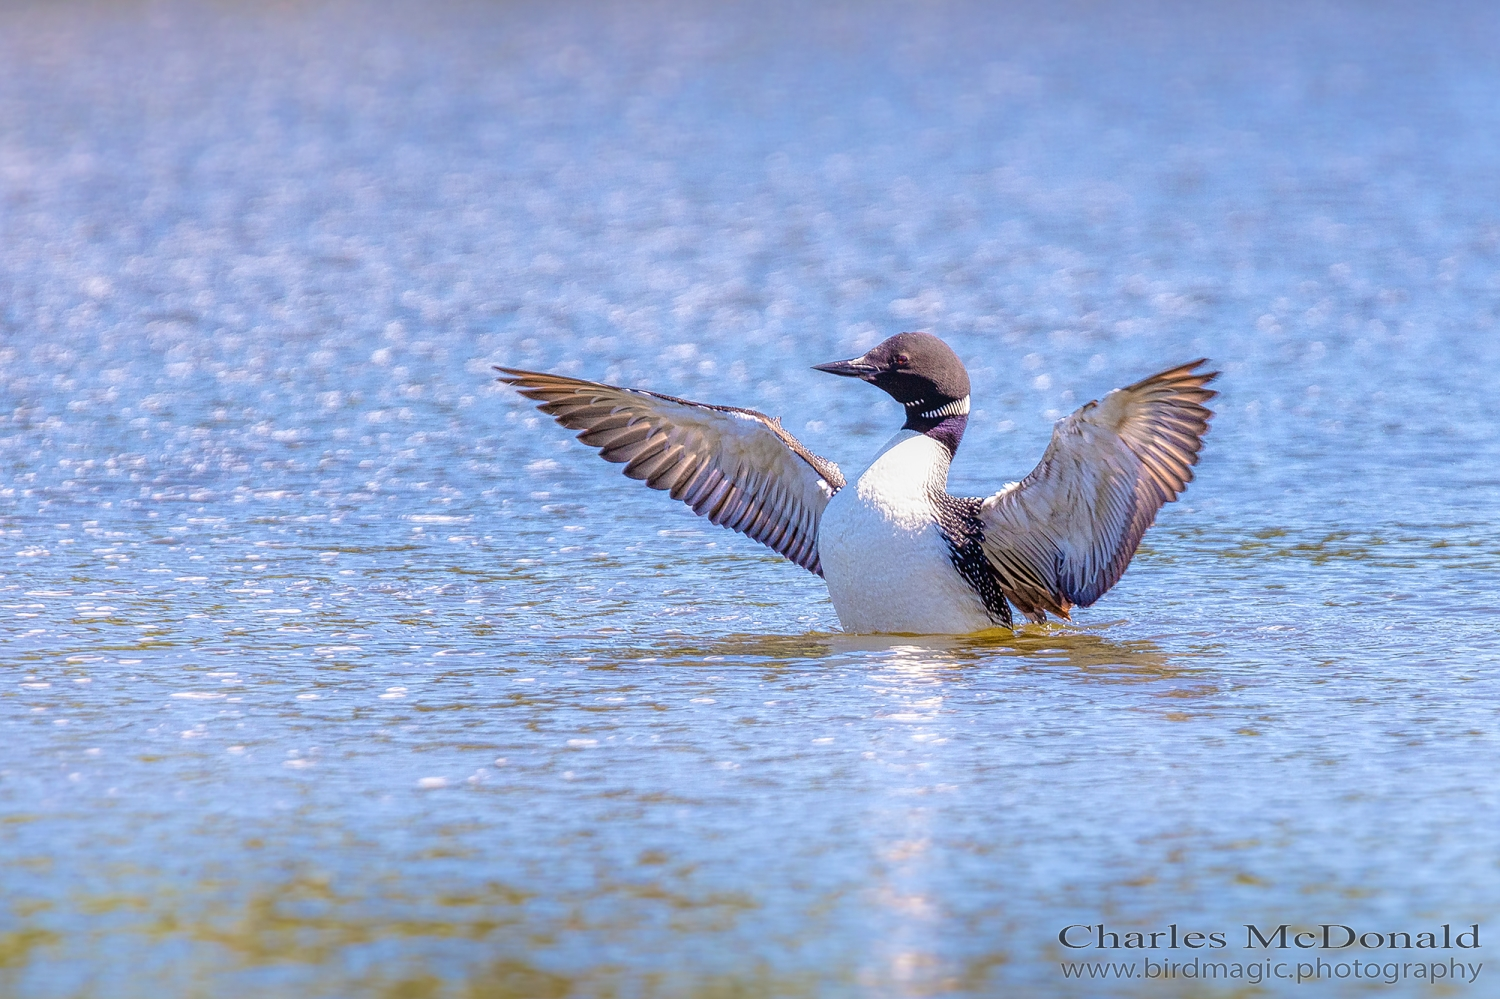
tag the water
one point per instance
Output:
(331, 669)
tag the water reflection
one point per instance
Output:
(1088, 649)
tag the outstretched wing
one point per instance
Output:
(736, 467)
(1064, 534)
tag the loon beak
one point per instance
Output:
(855, 368)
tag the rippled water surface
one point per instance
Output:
(331, 669)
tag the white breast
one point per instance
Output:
(884, 558)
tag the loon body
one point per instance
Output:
(898, 552)
(887, 559)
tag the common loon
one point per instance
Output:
(899, 554)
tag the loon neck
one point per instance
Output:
(944, 422)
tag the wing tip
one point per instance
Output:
(513, 376)
(1184, 383)
(1202, 378)
(1186, 372)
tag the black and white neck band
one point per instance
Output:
(958, 407)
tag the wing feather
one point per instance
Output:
(1062, 536)
(736, 467)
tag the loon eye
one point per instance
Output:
(902, 360)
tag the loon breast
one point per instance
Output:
(886, 561)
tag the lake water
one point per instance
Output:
(330, 668)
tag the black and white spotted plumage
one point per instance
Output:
(959, 519)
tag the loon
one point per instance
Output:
(898, 553)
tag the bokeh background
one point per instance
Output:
(329, 669)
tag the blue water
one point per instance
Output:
(331, 668)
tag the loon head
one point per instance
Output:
(923, 374)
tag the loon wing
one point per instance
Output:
(736, 467)
(1063, 535)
